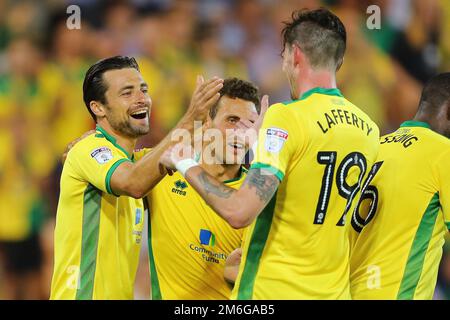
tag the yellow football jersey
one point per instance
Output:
(319, 147)
(188, 242)
(404, 217)
(97, 235)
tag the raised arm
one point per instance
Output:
(238, 207)
(137, 179)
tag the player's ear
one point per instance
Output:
(98, 109)
(339, 64)
(298, 55)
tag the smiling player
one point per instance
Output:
(188, 241)
(100, 216)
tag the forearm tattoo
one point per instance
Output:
(265, 184)
(211, 186)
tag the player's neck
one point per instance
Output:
(222, 172)
(316, 79)
(127, 143)
(431, 121)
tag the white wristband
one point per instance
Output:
(254, 147)
(184, 165)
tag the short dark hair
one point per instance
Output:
(320, 35)
(94, 87)
(435, 93)
(237, 88)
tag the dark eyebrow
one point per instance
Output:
(126, 88)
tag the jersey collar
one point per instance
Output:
(412, 123)
(241, 172)
(113, 140)
(327, 91)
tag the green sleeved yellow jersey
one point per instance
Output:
(398, 230)
(97, 235)
(319, 147)
(188, 242)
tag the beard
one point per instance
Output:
(127, 129)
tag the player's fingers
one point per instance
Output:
(240, 126)
(246, 123)
(204, 84)
(199, 87)
(211, 101)
(199, 81)
(264, 104)
(211, 89)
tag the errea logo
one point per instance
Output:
(179, 187)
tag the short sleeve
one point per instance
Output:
(278, 140)
(95, 161)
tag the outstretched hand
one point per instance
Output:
(176, 153)
(205, 95)
(244, 125)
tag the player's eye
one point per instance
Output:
(144, 90)
(126, 93)
(233, 120)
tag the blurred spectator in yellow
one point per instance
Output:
(65, 73)
(26, 161)
(169, 66)
(118, 25)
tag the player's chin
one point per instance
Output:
(140, 129)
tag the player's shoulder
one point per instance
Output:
(441, 147)
(440, 140)
(93, 145)
(281, 107)
(280, 112)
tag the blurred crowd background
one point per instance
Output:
(42, 65)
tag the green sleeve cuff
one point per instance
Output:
(448, 225)
(110, 173)
(275, 171)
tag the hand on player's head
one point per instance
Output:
(205, 95)
(244, 125)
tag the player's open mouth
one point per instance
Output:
(139, 114)
(237, 145)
